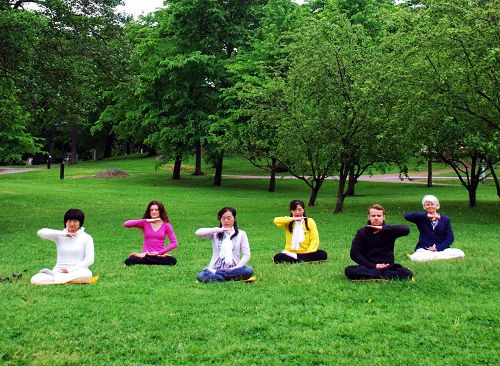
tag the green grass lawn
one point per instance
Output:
(306, 314)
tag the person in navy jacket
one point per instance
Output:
(436, 234)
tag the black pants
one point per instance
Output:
(394, 272)
(151, 260)
(319, 255)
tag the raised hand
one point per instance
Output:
(377, 228)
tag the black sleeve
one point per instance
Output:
(396, 230)
(357, 250)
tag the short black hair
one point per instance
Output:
(74, 214)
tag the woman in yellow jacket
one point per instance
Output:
(301, 236)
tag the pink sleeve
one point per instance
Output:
(173, 240)
(134, 223)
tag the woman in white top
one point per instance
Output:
(230, 250)
(75, 252)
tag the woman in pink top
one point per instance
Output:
(155, 227)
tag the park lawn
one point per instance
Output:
(306, 314)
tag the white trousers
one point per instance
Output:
(49, 277)
(423, 255)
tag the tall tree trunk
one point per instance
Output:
(351, 183)
(218, 170)
(339, 204)
(272, 179)
(108, 145)
(74, 140)
(472, 197)
(129, 150)
(197, 159)
(495, 179)
(176, 174)
(151, 151)
(343, 173)
(429, 171)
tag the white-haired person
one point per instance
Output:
(436, 234)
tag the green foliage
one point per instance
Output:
(450, 83)
(292, 314)
(79, 42)
(15, 142)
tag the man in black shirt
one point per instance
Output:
(373, 249)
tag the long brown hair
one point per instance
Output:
(163, 212)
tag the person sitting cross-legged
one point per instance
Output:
(75, 252)
(301, 237)
(373, 249)
(436, 234)
(156, 228)
(230, 250)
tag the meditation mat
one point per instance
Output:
(94, 279)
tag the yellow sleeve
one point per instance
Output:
(313, 236)
(283, 221)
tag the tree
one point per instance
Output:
(258, 90)
(336, 104)
(452, 82)
(63, 86)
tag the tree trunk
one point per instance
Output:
(151, 151)
(108, 145)
(339, 204)
(176, 174)
(495, 178)
(429, 171)
(197, 159)
(351, 183)
(314, 191)
(129, 150)
(472, 197)
(272, 179)
(74, 138)
(218, 170)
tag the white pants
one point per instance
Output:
(48, 277)
(423, 255)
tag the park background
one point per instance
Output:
(293, 314)
(188, 97)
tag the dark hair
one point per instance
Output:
(222, 211)
(74, 214)
(163, 213)
(293, 206)
(376, 206)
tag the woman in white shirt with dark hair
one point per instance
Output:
(75, 252)
(230, 250)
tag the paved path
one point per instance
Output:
(389, 178)
(16, 170)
